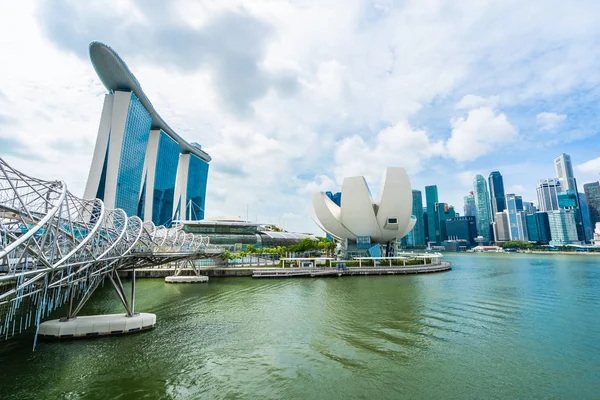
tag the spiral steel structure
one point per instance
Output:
(56, 248)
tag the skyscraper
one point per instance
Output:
(528, 207)
(564, 171)
(470, 208)
(563, 228)
(569, 200)
(496, 183)
(431, 197)
(547, 190)
(443, 212)
(592, 195)
(419, 228)
(462, 228)
(538, 228)
(585, 216)
(517, 224)
(140, 164)
(501, 227)
(482, 202)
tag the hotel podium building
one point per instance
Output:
(140, 164)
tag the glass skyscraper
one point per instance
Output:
(564, 171)
(538, 228)
(497, 200)
(470, 209)
(547, 190)
(416, 237)
(431, 197)
(482, 202)
(517, 224)
(563, 229)
(592, 195)
(140, 164)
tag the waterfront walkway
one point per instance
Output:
(353, 271)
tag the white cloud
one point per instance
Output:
(548, 121)
(483, 130)
(471, 101)
(590, 166)
(397, 145)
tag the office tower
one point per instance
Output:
(443, 212)
(482, 202)
(585, 216)
(547, 190)
(569, 200)
(538, 228)
(501, 227)
(528, 207)
(470, 207)
(140, 164)
(426, 226)
(419, 228)
(431, 198)
(563, 229)
(592, 195)
(462, 228)
(516, 217)
(497, 201)
(564, 171)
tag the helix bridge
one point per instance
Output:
(56, 249)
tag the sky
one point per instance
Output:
(289, 97)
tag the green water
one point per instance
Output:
(496, 326)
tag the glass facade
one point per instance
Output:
(431, 197)
(585, 216)
(547, 190)
(497, 200)
(196, 188)
(462, 228)
(516, 226)
(538, 228)
(470, 208)
(482, 202)
(592, 195)
(569, 200)
(418, 232)
(133, 153)
(563, 228)
(164, 180)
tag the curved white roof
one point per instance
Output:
(115, 75)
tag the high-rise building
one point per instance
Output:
(547, 190)
(497, 201)
(482, 202)
(528, 207)
(592, 195)
(563, 228)
(140, 164)
(470, 208)
(419, 228)
(564, 171)
(426, 226)
(462, 228)
(585, 216)
(431, 198)
(516, 217)
(443, 212)
(538, 228)
(501, 227)
(569, 200)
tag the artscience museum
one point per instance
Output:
(363, 225)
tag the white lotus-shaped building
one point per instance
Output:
(388, 218)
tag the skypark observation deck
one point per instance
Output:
(140, 163)
(56, 249)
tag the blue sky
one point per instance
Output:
(289, 97)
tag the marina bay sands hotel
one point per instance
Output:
(140, 164)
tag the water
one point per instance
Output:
(496, 326)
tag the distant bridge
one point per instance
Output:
(56, 249)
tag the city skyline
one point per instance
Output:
(310, 97)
